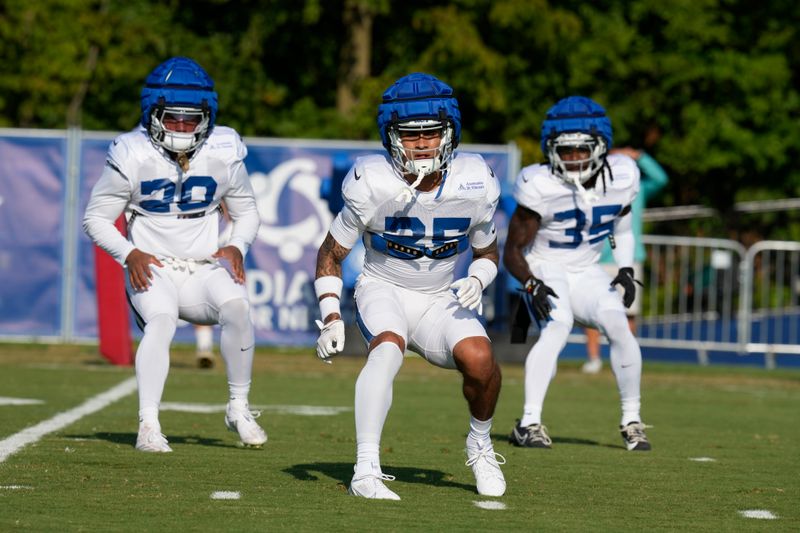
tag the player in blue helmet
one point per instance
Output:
(553, 246)
(177, 268)
(179, 105)
(416, 211)
(419, 107)
(576, 137)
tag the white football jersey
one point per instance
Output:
(572, 231)
(413, 238)
(172, 213)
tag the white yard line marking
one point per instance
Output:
(226, 495)
(490, 505)
(15, 487)
(5, 400)
(702, 459)
(761, 514)
(303, 410)
(15, 442)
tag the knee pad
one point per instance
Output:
(163, 324)
(234, 311)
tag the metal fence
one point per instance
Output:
(714, 295)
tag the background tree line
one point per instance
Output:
(708, 87)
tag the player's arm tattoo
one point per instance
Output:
(522, 229)
(490, 253)
(329, 259)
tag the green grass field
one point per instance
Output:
(88, 477)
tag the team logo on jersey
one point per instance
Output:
(293, 182)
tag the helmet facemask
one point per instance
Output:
(578, 170)
(420, 162)
(179, 129)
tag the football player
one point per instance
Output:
(566, 210)
(417, 210)
(169, 176)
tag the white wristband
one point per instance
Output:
(484, 270)
(329, 305)
(328, 285)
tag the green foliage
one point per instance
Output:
(709, 87)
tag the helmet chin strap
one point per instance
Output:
(589, 197)
(410, 190)
(419, 179)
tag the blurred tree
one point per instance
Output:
(711, 88)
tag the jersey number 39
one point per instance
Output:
(185, 202)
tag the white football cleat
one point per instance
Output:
(240, 419)
(150, 439)
(634, 437)
(371, 486)
(592, 366)
(485, 465)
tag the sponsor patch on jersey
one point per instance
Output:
(221, 144)
(471, 189)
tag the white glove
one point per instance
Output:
(468, 291)
(331, 339)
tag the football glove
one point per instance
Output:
(625, 278)
(536, 296)
(331, 339)
(469, 292)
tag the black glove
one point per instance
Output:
(536, 293)
(625, 278)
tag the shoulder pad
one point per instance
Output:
(370, 182)
(128, 150)
(530, 184)
(625, 172)
(225, 143)
(471, 172)
(534, 174)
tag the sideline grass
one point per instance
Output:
(88, 476)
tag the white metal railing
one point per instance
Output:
(716, 295)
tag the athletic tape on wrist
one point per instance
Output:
(485, 270)
(329, 305)
(328, 285)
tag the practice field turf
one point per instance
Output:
(726, 451)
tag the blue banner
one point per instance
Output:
(32, 185)
(296, 183)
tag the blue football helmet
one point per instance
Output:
(179, 91)
(422, 104)
(576, 123)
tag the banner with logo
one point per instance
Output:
(296, 183)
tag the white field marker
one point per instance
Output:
(761, 514)
(15, 487)
(5, 400)
(17, 441)
(490, 505)
(302, 410)
(226, 495)
(702, 459)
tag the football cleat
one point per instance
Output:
(533, 436)
(371, 486)
(150, 439)
(205, 359)
(592, 366)
(240, 419)
(485, 465)
(634, 437)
